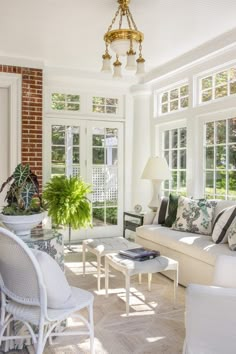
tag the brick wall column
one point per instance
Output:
(32, 116)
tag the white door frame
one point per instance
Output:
(85, 124)
(13, 83)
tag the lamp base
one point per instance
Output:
(156, 198)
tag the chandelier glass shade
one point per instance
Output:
(123, 41)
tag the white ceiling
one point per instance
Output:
(69, 34)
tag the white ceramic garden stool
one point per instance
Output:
(102, 246)
(129, 267)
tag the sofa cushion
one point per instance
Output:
(196, 246)
(194, 216)
(222, 224)
(172, 210)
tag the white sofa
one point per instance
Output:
(195, 253)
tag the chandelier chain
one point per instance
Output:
(132, 20)
(114, 19)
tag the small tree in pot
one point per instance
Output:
(67, 202)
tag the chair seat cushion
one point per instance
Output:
(59, 293)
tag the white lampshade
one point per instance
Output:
(156, 169)
(117, 72)
(140, 68)
(131, 63)
(106, 65)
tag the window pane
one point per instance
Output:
(166, 155)
(207, 82)
(99, 109)
(73, 98)
(221, 91)
(75, 132)
(232, 184)
(73, 107)
(98, 216)
(174, 138)
(232, 156)
(111, 156)
(58, 97)
(174, 180)
(183, 137)
(221, 132)
(59, 105)
(58, 134)
(232, 130)
(220, 157)
(58, 169)
(184, 102)
(174, 159)
(111, 110)
(209, 182)
(166, 140)
(209, 157)
(111, 216)
(75, 154)
(183, 159)
(98, 156)
(184, 90)
(174, 105)
(174, 94)
(164, 108)
(164, 97)
(221, 78)
(58, 154)
(98, 100)
(233, 88)
(232, 74)
(220, 182)
(182, 179)
(111, 101)
(207, 95)
(209, 133)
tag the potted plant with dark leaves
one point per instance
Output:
(66, 199)
(24, 209)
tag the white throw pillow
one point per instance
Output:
(59, 293)
(194, 216)
(222, 224)
(232, 236)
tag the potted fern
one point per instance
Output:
(24, 209)
(67, 203)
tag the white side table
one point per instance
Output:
(129, 267)
(102, 246)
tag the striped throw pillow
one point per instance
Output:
(222, 224)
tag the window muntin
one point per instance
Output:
(105, 105)
(220, 159)
(175, 99)
(218, 85)
(174, 149)
(65, 102)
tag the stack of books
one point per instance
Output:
(139, 254)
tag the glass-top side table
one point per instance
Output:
(49, 241)
(132, 220)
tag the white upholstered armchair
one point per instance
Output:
(211, 312)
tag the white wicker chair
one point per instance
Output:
(24, 298)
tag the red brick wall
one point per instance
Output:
(32, 116)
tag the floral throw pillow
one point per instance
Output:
(194, 216)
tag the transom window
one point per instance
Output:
(220, 159)
(217, 85)
(105, 105)
(65, 102)
(174, 149)
(175, 99)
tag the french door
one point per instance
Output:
(92, 150)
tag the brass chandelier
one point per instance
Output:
(123, 41)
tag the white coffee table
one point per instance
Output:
(129, 267)
(102, 246)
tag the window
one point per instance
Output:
(175, 151)
(220, 159)
(175, 99)
(217, 85)
(64, 102)
(105, 105)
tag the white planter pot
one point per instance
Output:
(21, 225)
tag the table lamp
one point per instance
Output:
(157, 170)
